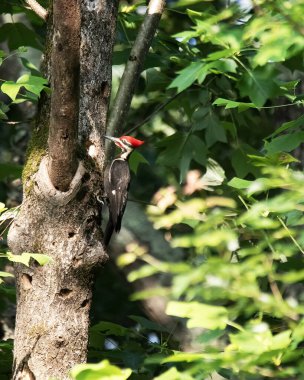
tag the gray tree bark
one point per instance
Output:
(62, 218)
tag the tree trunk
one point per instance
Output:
(53, 301)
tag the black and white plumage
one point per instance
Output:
(116, 188)
(116, 183)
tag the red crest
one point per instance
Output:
(134, 142)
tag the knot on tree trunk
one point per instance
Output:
(45, 189)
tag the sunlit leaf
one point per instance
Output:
(199, 314)
(103, 370)
(173, 374)
(6, 274)
(31, 83)
(233, 104)
(25, 258)
(239, 183)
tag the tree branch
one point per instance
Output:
(63, 130)
(37, 8)
(98, 26)
(133, 67)
(152, 114)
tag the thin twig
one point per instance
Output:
(14, 122)
(149, 117)
(133, 69)
(290, 235)
(38, 9)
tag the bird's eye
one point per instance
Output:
(126, 142)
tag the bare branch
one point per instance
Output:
(63, 130)
(134, 66)
(152, 114)
(37, 8)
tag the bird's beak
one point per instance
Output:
(114, 139)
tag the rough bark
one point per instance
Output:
(65, 93)
(53, 301)
(97, 38)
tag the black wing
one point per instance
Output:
(116, 183)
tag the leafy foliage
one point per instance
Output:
(220, 101)
(25, 257)
(235, 284)
(103, 370)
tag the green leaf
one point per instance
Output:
(184, 357)
(173, 374)
(9, 214)
(276, 159)
(209, 336)
(149, 293)
(135, 160)
(198, 118)
(100, 371)
(142, 272)
(18, 34)
(214, 130)
(149, 325)
(156, 80)
(22, 49)
(180, 149)
(6, 274)
(6, 357)
(233, 104)
(199, 314)
(259, 85)
(109, 328)
(3, 111)
(241, 161)
(293, 124)
(199, 70)
(290, 277)
(9, 170)
(42, 259)
(239, 183)
(259, 339)
(225, 53)
(278, 42)
(120, 57)
(25, 258)
(185, 36)
(31, 67)
(31, 83)
(187, 76)
(11, 89)
(2, 207)
(285, 143)
(223, 66)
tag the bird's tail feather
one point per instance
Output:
(108, 232)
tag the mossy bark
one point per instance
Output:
(53, 301)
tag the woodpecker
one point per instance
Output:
(116, 183)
